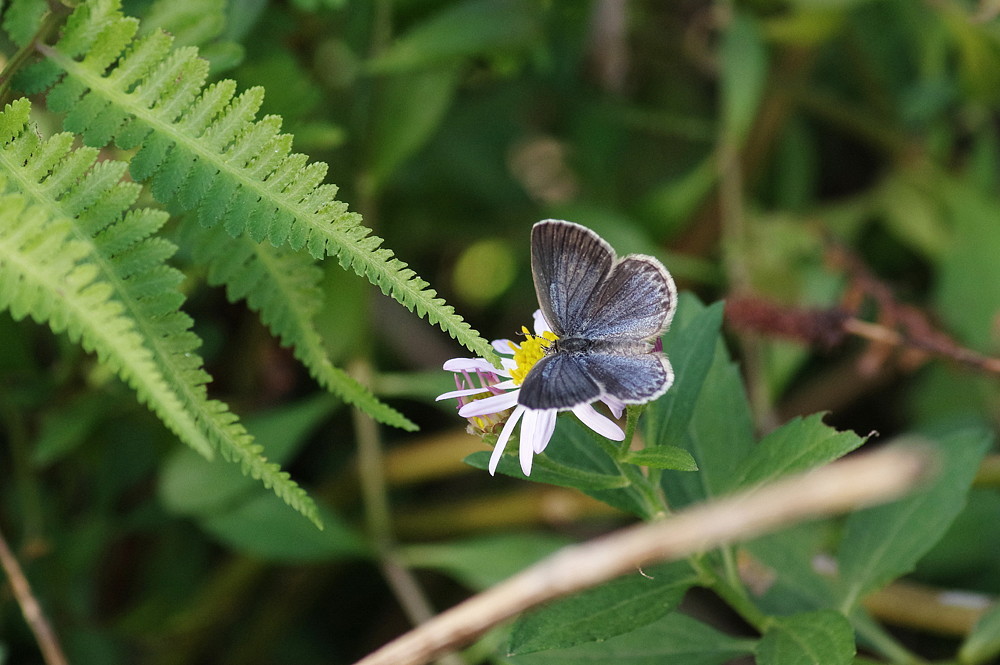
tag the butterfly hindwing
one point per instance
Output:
(632, 379)
(559, 381)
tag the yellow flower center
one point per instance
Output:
(531, 351)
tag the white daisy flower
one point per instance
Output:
(494, 401)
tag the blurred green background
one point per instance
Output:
(799, 153)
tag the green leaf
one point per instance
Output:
(913, 215)
(884, 542)
(546, 470)
(282, 286)
(743, 75)
(662, 457)
(676, 639)
(67, 425)
(786, 562)
(482, 562)
(717, 444)
(192, 485)
(411, 107)
(464, 29)
(968, 293)
(983, 643)
(262, 527)
(203, 149)
(573, 458)
(611, 609)
(690, 345)
(817, 638)
(798, 445)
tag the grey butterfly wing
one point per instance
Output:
(632, 379)
(635, 301)
(569, 264)
(560, 381)
(565, 380)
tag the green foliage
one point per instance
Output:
(673, 640)
(604, 612)
(805, 639)
(792, 163)
(202, 151)
(886, 542)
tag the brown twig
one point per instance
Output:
(858, 481)
(35, 617)
(898, 326)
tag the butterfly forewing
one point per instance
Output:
(636, 301)
(569, 263)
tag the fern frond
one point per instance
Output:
(282, 285)
(203, 150)
(72, 257)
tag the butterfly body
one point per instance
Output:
(603, 310)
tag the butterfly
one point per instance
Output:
(604, 311)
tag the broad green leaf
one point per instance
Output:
(884, 542)
(690, 345)
(192, 485)
(798, 445)
(674, 202)
(597, 614)
(545, 470)
(482, 562)
(968, 291)
(263, 527)
(816, 638)
(410, 109)
(785, 567)
(470, 28)
(67, 425)
(796, 167)
(743, 75)
(573, 458)
(720, 434)
(662, 457)
(983, 644)
(967, 552)
(676, 639)
(912, 215)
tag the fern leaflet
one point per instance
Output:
(282, 286)
(202, 149)
(72, 257)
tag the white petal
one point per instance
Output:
(506, 385)
(504, 346)
(606, 427)
(541, 325)
(508, 427)
(494, 404)
(468, 365)
(546, 425)
(461, 393)
(526, 450)
(617, 407)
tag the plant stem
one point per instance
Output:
(35, 617)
